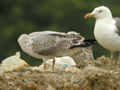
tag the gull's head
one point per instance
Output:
(100, 13)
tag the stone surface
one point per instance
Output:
(99, 74)
(96, 76)
(13, 63)
(60, 64)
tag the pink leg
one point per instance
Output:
(53, 66)
(44, 66)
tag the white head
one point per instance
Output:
(100, 13)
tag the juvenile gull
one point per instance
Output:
(51, 44)
(107, 28)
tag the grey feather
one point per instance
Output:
(117, 25)
(49, 44)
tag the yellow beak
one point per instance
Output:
(88, 15)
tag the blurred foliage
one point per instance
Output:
(25, 16)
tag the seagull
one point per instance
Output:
(107, 28)
(51, 44)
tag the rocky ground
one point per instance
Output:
(100, 74)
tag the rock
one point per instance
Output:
(60, 64)
(72, 69)
(90, 77)
(13, 63)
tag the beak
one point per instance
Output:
(89, 15)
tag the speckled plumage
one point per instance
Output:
(50, 44)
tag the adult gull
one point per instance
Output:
(107, 28)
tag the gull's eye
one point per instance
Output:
(100, 11)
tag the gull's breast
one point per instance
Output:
(106, 36)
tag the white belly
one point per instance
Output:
(107, 37)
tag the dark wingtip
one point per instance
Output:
(86, 43)
(89, 42)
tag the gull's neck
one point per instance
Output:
(105, 19)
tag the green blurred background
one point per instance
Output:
(26, 16)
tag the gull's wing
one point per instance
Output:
(117, 23)
(52, 42)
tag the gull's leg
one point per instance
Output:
(53, 66)
(112, 55)
(118, 60)
(112, 58)
(44, 65)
